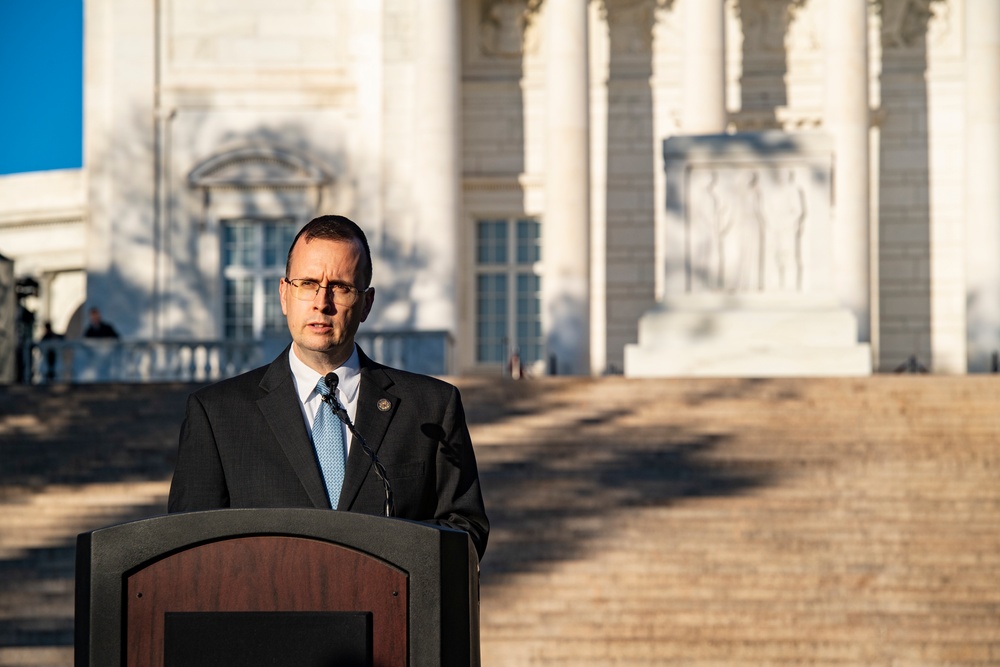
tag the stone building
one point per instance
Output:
(679, 187)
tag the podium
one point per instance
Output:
(303, 587)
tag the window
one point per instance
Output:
(253, 261)
(508, 299)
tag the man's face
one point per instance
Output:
(323, 332)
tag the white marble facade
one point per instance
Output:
(428, 121)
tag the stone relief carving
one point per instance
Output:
(746, 229)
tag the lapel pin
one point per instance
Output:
(383, 405)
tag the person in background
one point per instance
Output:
(49, 334)
(50, 354)
(98, 328)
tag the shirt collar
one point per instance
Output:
(348, 375)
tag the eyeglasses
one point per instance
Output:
(304, 289)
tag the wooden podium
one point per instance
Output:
(303, 587)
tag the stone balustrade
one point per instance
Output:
(104, 360)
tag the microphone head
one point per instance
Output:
(331, 380)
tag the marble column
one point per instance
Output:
(566, 223)
(982, 177)
(704, 76)
(123, 239)
(847, 120)
(438, 163)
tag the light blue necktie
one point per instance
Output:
(328, 439)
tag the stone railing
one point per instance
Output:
(106, 360)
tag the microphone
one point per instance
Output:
(331, 380)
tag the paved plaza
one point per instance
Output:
(635, 522)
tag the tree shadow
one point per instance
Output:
(579, 494)
(573, 469)
(84, 434)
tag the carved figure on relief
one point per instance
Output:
(723, 240)
(782, 213)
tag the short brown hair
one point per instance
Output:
(334, 228)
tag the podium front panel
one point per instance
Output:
(271, 574)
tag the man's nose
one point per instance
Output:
(325, 299)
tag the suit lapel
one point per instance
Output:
(376, 407)
(280, 406)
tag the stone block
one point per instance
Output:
(761, 335)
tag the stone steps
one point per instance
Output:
(810, 522)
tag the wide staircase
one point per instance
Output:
(635, 522)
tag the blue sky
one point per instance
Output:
(41, 85)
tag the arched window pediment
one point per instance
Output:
(257, 166)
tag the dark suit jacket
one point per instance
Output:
(244, 443)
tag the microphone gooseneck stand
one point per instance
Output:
(330, 399)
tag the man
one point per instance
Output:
(50, 354)
(246, 441)
(98, 328)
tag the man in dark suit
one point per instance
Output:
(246, 441)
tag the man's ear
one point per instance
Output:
(369, 296)
(283, 295)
